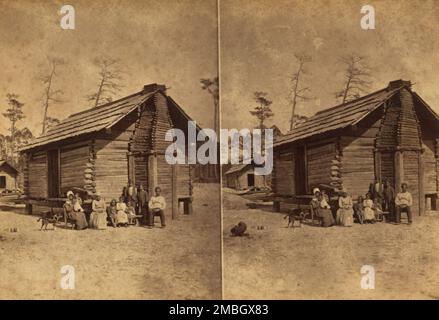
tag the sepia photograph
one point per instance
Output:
(349, 89)
(89, 206)
(210, 150)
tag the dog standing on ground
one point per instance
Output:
(47, 218)
(295, 215)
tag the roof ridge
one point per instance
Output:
(104, 105)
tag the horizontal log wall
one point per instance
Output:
(430, 173)
(409, 131)
(387, 137)
(38, 175)
(319, 161)
(162, 123)
(141, 144)
(283, 173)
(388, 167)
(358, 168)
(111, 160)
(73, 166)
(411, 176)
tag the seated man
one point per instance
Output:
(157, 205)
(403, 202)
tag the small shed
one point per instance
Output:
(242, 177)
(104, 148)
(391, 134)
(8, 176)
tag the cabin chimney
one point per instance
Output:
(398, 84)
(154, 87)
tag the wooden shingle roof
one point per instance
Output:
(237, 168)
(338, 117)
(6, 163)
(91, 120)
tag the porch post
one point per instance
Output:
(174, 191)
(399, 170)
(152, 173)
(421, 183)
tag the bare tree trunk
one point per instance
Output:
(296, 86)
(346, 90)
(98, 94)
(46, 103)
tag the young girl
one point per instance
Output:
(369, 213)
(131, 212)
(122, 217)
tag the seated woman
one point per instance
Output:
(131, 212)
(359, 209)
(322, 208)
(112, 213)
(75, 212)
(345, 212)
(98, 216)
(121, 217)
(369, 213)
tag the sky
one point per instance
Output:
(258, 40)
(168, 42)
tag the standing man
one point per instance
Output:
(157, 206)
(388, 198)
(403, 202)
(143, 198)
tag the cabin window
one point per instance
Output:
(2, 182)
(53, 173)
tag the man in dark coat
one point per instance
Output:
(142, 198)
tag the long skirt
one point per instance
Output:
(98, 220)
(369, 214)
(80, 220)
(121, 217)
(345, 217)
(327, 218)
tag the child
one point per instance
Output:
(77, 203)
(131, 212)
(369, 213)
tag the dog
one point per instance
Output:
(239, 230)
(47, 218)
(295, 215)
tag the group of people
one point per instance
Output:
(132, 204)
(379, 199)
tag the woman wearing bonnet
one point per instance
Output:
(75, 212)
(321, 208)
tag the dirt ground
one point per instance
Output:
(324, 263)
(182, 261)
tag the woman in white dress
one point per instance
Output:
(345, 212)
(369, 213)
(121, 217)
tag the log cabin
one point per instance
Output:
(242, 177)
(391, 134)
(104, 148)
(8, 176)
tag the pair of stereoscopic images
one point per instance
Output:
(343, 94)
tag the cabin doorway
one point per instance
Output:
(300, 170)
(53, 173)
(387, 166)
(250, 180)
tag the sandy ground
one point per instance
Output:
(182, 261)
(324, 263)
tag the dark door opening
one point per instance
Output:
(53, 173)
(2, 182)
(300, 170)
(251, 180)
